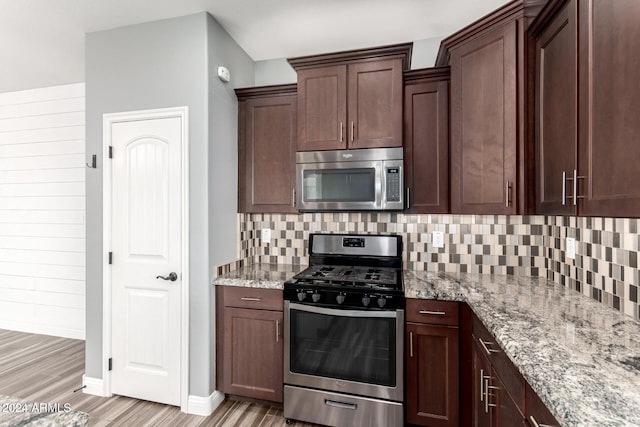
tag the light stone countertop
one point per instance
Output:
(581, 357)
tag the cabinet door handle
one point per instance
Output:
(488, 387)
(564, 188)
(575, 187)
(408, 197)
(341, 131)
(507, 191)
(534, 423)
(293, 197)
(481, 385)
(353, 127)
(411, 344)
(277, 330)
(433, 313)
(487, 349)
(250, 299)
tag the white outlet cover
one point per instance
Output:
(438, 239)
(266, 235)
(571, 248)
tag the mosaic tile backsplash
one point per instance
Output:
(605, 267)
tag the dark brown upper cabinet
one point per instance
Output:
(490, 160)
(593, 117)
(426, 140)
(266, 149)
(556, 121)
(351, 99)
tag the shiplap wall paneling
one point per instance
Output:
(42, 211)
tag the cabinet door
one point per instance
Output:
(322, 108)
(432, 375)
(505, 413)
(481, 375)
(483, 123)
(426, 146)
(375, 104)
(253, 353)
(556, 115)
(609, 124)
(266, 154)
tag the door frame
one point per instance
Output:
(108, 120)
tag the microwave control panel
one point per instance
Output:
(393, 184)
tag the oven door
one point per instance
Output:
(348, 351)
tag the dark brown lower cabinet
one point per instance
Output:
(498, 396)
(432, 366)
(250, 334)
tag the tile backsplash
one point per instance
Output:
(605, 267)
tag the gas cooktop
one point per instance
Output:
(350, 270)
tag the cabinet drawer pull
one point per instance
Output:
(411, 344)
(487, 349)
(534, 423)
(250, 299)
(341, 405)
(433, 313)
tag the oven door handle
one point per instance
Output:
(390, 314)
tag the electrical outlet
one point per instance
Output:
(571, 248)
(266, 236)
(438, 239)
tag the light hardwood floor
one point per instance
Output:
(41, 368)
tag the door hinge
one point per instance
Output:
(111, 151)
(110, 363)
(110, 257)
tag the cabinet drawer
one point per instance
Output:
(258, 298)
(535, 410)
(504, 367)
(432, 312)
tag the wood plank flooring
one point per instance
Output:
(42, 368)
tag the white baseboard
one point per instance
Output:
(94, 386)
(204, 406)
(42, 329)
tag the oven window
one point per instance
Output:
(340, 185)
(361, 349)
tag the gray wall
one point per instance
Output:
(223, 164)
(278, 71)
(157, 65)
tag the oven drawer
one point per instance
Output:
(258, 298)
(336, 409)
(432, 312)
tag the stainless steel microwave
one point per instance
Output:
(352, 180)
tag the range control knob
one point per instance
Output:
(382, 302)
(302, 295)
(315, 297)
(340, 298)
(366, 301)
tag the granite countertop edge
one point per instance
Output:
(581, 357)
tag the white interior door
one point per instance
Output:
(146, 241)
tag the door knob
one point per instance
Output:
(172, 277)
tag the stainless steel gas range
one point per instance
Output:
(344, 329)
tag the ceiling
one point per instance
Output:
(42, 41)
